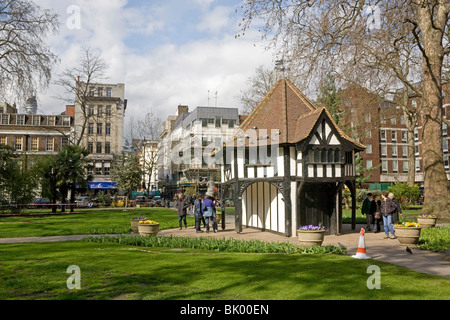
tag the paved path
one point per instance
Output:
(386, 250)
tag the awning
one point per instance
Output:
(103, 185)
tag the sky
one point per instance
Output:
(166, 52)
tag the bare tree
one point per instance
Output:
(76, 82)
(371, 43)
(26, 61)
(144, 134)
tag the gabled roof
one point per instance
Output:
(279, 109)
(286, 109)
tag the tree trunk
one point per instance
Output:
(410, 123)
(435, 179)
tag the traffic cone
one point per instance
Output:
(361, 252)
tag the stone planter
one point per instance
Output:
(148, 230)
(427, 222)
(134, 225)
(407, 235)
(309, 238)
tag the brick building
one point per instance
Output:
(382, 128)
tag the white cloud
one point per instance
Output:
(167, 73)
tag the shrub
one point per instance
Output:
(225, 245)
(435, 239)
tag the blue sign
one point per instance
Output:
(103, 185)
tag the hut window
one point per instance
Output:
(321, 155)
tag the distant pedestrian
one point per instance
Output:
(398, 212)
(182, 205)
(198, 212)
(365, 210)
(375, 210)
(388, 207)
(209, 212)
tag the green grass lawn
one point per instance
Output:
(92, 221)
(111, 271)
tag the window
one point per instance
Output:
(444, 129)
(369, 149)
(405, 166)
(405, 151)
(2, 109)
(3, 140)
(324, 156)
(91, 92)
(100, 128)
(402, 120)
(395, 166)
(99, 147)
(51, 120)
(383, 135)
(5, 118)
(446, 162)
(383, 119)
(36, 120)
(98, 169)
(414, 104)
(404, 135)
(394, 151)
(66, 121)
(384, 165)
(20, 119)
(369, 164)
(108, 92)
(90, 128)
(368, 117)
(107, 170)
(383, 150)
(107, 147)
(369, 134)
(34, 144)
(108, 111)
(91, 111)
(231, 123)
(100, 92)
(417, 165)
(90, 147)
(445, 145)
(50, 144)
(64, 141)
(393, 120)
(416, 149)
(394, 135)
(100, 111)
(108, 129)
(204, 123)
(18, 143)
(416, 134)
(218, 122)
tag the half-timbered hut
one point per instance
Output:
(288, 164)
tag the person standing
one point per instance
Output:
(365, 210)
(388, 207)
(182, 205)
(198, 212)
(375, 210)
(209, 212)
(398, 211)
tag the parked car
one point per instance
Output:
(82, 202)
(156, 201)
(40, 203)
(141, 199)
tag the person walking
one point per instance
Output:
(209, 212)
(365, 210)
(182, 205)
(398, 211)
(388, 207)
(375, 209)
(198, 212)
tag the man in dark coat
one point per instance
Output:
(198, 212)
(182, 205)
(398, 211)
